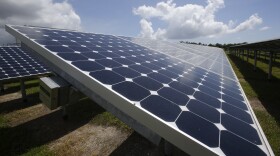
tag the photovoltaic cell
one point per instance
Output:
(16, 62)
(194, 97)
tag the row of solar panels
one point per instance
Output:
(16, 62)
(187, 94)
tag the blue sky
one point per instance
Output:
(116, 17)
(207, 21)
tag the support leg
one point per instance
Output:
(167, 148)
(270, 65)
(247, 55)
(1, 87)
(255, 60)
(23, 92)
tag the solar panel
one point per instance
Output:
(16, 62)
(209, 58)
(198, 110)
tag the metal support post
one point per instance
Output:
(247, 55)
(1, 87)
(255, 59)
(167, 148)
(270, 65)
(74, 96)
(243, 54)
(23, 92)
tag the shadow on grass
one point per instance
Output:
(16, 104)
(18, 140)
(266, 90)
(262, 59)
(137, 145)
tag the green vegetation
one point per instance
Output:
(256, 86)
(3, 122)
(39, 151)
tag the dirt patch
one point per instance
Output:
(256, 104)
(21, 116)
(9, 97)
(89, 140)
(32, 125)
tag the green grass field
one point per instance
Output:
(256, 86)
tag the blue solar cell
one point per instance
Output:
(88, 65)
(135, 59)
(209, 91)
(182, 88)
(109, 63)
(234, 102)
(124, 61)
(216, 87)
(59, 49)
(141, 69)
(203, 110)
(72, 56)
(235, 95)
(79, 48)
(108, 54)
(126, 72)
(159, 77)
(173, 95)
(199, 128)
(151, 66)
(93, 55)
(48, 42)
(188, 82)
(168, 111)
(237, 113)
(107, 77)
(168, 73)
(148, 83)
(234, 145)
(214, 102)
(240, 128)
(131, 91)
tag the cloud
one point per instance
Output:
(189, 21)
(45, 13)
(264, 28)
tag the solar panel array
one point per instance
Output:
(205, 104)
(16, 62)
(209, 58)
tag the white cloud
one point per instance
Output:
(45, 13)
(189, 21)
(264, 28)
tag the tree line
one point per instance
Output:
(219, 45)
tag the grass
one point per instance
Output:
(39, 151)
(6, 135)
(107, 119)
(3, 122)
(29, 138)
(256, 86)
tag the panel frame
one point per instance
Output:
(92, 88)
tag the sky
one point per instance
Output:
(206, 21)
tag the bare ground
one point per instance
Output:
(77, 136)
(36, 125)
